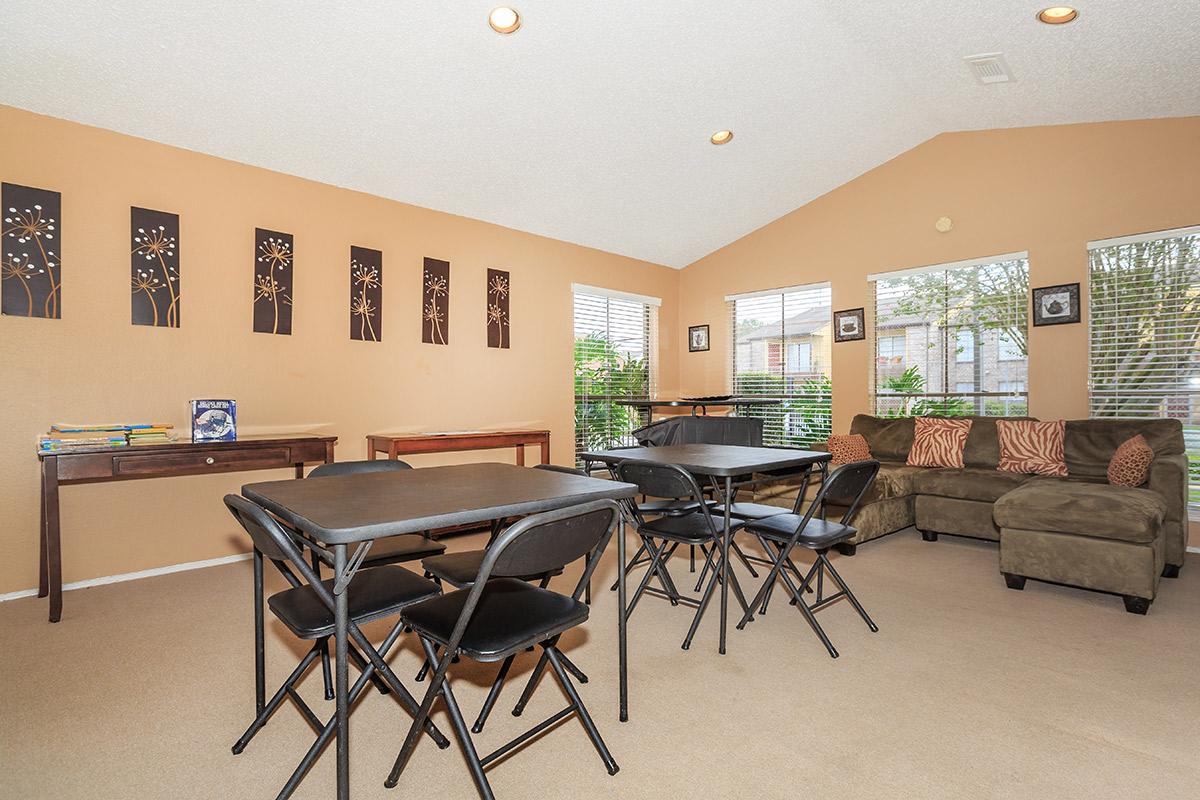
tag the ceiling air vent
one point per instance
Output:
(989, 68)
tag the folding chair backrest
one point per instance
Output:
(659, 480)
(268, 536)
(563, 470)
(846, 486)
(358, 467)
(545, 542)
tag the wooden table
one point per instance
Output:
(346, 511)
(722, 461)
(402, 444)
(94, 465)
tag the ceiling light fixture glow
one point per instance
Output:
(504, 19)
(721, 137)
(1057, 15)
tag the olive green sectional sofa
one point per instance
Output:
(1078, 530)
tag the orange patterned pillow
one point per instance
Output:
(938, 442)
(1030, 446)
(1130, 465)
(848, 449)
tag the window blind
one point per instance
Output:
(1145, 334)
(615, 346)
(780, 350)
(951, 339)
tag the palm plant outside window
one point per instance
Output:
(615, 343)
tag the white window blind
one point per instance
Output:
(780, 350)
(615, 346)
(1145, 334)
(925, 321)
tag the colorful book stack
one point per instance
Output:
(65, 438)
(151, 434)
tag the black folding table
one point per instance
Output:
(346, 510)
(722, 461)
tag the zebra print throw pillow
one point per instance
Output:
(938, 442)
(1030, 446)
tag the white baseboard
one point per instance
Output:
(133, 576)
(1193, 549)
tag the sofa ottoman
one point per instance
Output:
(1091, 535)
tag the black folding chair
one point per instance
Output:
(660, 536)
(389, 550)
(782, 533)
(459, 571)
(501, 615)
(307, 609)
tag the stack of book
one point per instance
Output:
(151, 434)
(65, 438)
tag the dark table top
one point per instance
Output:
(352, 508)
(720, 460)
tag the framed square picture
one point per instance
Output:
(697, 338)
(849, 325)
(1056, 305)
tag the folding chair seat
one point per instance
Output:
(307, 609)
(660, 536)
(510, 616)
(781, 534)
(501, 615)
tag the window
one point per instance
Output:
(780, 349)
(965, 349)
(1145, 334)
(799, 357)
(891, 350)
(615, 348)
(944, 314)
(1009, 349)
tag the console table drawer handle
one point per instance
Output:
(209, 460)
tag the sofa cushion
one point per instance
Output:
(1086, 509)
(970, 483)
(1032, 447)
(983, 444)
(939, 442)
(1091, 443)
(890, 439)
(893, 480)
(1130, 465)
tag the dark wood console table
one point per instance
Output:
(158, 461)
(395, 445)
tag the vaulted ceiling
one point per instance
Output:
(591, 123)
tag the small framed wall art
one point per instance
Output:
(697, 338)
(435, 302)
(849, 325)
(272, 282)
(1056, 305)
(154, 268)
(366, 294)
(498, 287)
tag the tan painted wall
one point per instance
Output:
(93, 365)
(1047, 190)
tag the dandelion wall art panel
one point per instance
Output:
(272, 281)
(435, 302)
(366, 294)
(497, 308)
(30, 243)
(154, 267)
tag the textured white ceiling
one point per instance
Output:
(591, 123)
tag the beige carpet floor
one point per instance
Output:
(969, 690)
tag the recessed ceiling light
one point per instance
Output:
(504, 19)
(721, 137)
(1057, 15)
